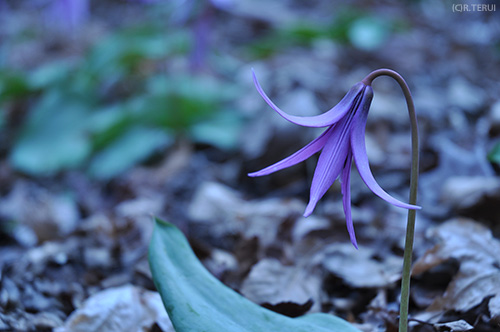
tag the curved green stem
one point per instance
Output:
(410, 228)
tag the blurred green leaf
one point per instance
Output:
(349, 25)
(13, 85)
(54, 136)
(129, 149)
(110, 123)
(305, 32)
(50, 74)
(494, 154)
(368, 33)
(123, 52)
(88, 112)
(178, 102)
(222, 131)
(196, 301)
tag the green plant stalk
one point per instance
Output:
(410, 227)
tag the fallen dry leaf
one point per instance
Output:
(127, 309)
(46, 214)
(476, 250)
(226, 212)
(216, 205)
(456, 326)
(305, 226)
(464, 191)
(272, 282)
(359, 268)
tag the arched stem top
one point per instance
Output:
(413, 123)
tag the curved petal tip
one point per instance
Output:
(309, 209)
(326, 119)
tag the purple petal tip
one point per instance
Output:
(309, 209)
(406, 206)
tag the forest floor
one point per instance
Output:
(76, 201)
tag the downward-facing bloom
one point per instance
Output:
(340, 143)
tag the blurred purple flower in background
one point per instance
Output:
(69, 14)
(343, 141)
(202, 29)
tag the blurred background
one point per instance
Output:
(113, 111)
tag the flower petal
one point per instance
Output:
(299, 156)
(322, 120)
(361, 159)
(330, 162)
(345, 179)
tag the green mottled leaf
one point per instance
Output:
(196, 301)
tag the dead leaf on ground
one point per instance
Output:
(362, 268)
(304, 227)
(466, 191)
(226, 212)
(474, 247)
(272, 282)
(126, 308)
(456, 326)
(46, 214)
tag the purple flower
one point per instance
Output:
(341, 142)
(69, 14)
